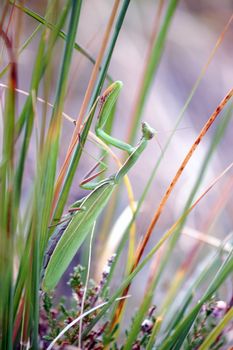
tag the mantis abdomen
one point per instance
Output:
(72, 235)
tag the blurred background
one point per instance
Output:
(192, 36)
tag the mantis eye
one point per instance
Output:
(147, 131)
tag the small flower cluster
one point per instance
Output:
(53, 320)
(146, 329)
(207, 319)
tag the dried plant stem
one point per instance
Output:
(205, 238)
(164, 200)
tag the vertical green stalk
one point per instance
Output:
(7, 208)
(152, 67)
(53, 137)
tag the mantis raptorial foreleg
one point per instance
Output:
(68, 238)
(107, 101)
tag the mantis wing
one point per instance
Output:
(75, 233)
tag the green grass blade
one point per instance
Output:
(7, 207)
(109, 53)
(152, 66)
(53, 138)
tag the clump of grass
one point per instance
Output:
(188, 315)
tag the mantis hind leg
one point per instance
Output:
(86, 182)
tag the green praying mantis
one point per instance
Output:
(72, 231)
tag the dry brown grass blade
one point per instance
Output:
(142, 245)
(164, 200)
(75, 136)
(19, 317)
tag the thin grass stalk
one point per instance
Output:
(24, 335)
(154, 333)
(151, 67)
(7, 211)
(4, 16)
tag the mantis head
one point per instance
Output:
(107, 101)
(147, 132)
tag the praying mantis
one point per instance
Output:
(77, 224)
